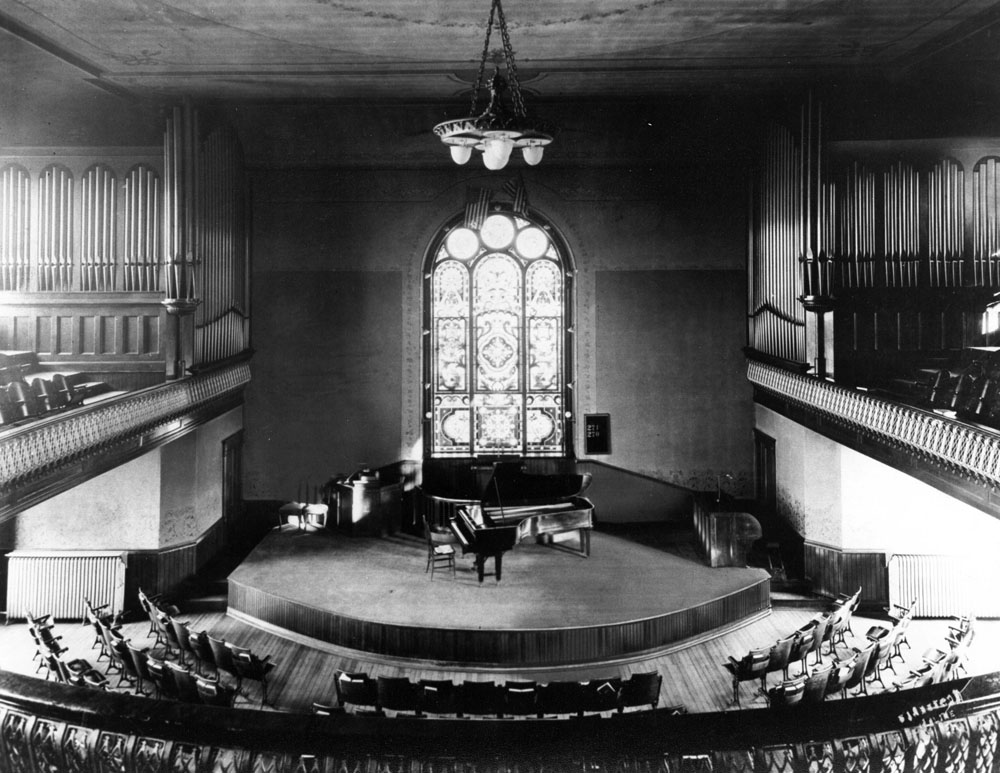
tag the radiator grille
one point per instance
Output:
(56, 583)
(945, 585)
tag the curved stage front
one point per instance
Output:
(552, 607)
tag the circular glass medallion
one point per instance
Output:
(462, 243)
(532, 242)
(497, 231)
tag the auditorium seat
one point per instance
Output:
(640, 689)
(857, 678)
(801, 647)
(787, 692)
(357, 690)
(816, 684)
(439, 696)
(212, 693)
(520, 699)
(750, 667)
(143, 675)
(184, 682)
(398, 694)
(222, 656)
(162, 678)
(840, 673)
(202, 650)
(777, 659)
(558, 698)
(600, 695)
(482, 699)
(250, 666)
(182, 638)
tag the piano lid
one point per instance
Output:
(510, 486)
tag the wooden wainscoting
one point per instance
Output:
(833, 570)
(159, 571)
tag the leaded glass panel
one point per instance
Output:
(497, 333)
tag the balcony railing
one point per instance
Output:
(967, 450)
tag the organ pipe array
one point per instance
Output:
(777, 319)
(221, 322)
(167, 226)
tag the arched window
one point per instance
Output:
(497, 361)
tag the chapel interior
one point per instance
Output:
(756, 327)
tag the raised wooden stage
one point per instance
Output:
(552, 607)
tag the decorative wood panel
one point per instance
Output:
(507, 647)
(834, 571)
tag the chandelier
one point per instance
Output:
(501, 127)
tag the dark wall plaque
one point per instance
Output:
(597, 433)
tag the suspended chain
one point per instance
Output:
(482, 60)
(508, 53)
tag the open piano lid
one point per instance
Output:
(510, 486)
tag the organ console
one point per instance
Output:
(516, 506)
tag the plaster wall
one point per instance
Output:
(839, 497)
(166, 497)
(337, 282)
(117, 510)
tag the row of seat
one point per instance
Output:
(204, 650)
(363, 694)
(138, 668)
(52, 657)
(827, 627)
(940, 663)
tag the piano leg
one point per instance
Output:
(480, 566)
(498, 564)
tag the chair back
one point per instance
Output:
(139, 662)
(184, 681)
(481, 698)
(641, 689)
(779, 655)
(816, 683)
(560, 698)
(520, 698)
(787, 693)
(397, 693)
(438, 696)
(222, 655)
(840, 673)
(211, 693)
(356, 689)
(198, 640)
(601, 694)
(862, 659)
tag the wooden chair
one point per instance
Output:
(840, 672)
(816, 683)
(357, 690)
(482, 699)
(250, 666)
(122, 658)
(182, 637)
(520, 699)
(600, 695)
(198, 640)
(857, 678)
(560, 698)
(212, 693)
(801, 647)
(777, 659)
(439, 696)
(222, 656)
(184, 682)
(640, 689)
(787, 693)
(141, 668)
(162, 679)
(399, 694)
(440, 550)
(750, 667)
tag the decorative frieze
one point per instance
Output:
(43, 446)
(969, 451)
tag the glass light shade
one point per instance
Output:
(497, 152)
(532, 154)
(461, 153)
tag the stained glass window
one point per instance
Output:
(497, 349)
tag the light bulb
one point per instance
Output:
(532, 154)
(461, 153)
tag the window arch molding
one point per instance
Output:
(498, 328)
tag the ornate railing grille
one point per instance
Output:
(967, 450)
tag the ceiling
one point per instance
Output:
(407, 50)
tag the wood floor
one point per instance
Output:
(692, 674)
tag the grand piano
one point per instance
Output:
(516, 506)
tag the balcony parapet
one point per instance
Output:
(967, 450)
(45, 446)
